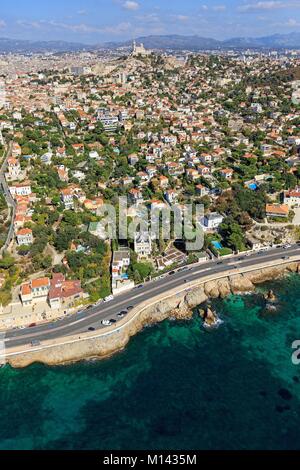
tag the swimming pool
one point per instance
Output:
(217, 244)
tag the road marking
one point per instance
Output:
(117, 329)
(155, 291)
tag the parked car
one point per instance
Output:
(106, 323)
(112, 320)
(122, 314)
(130, 308)
(185, 268)
(35, 342)
(109, 298)
(91, 328)
(32, 325)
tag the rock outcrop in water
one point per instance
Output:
(270, 296)
(210, 318)
(178, 306)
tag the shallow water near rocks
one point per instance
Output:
(175, 386)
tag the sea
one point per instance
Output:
(176, 386)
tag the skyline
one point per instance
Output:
(91, 21)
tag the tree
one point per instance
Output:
(7, 261)
(41, 262)
(139, 271)
(72, 218)
(23, 250)
(64, 237)
(232, 234)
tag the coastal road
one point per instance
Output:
(92, 317)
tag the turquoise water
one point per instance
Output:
(217, 245)
(176, 386)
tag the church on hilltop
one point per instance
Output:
(139, 50)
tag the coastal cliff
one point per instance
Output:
(178, 306)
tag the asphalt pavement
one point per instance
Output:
(93, 317)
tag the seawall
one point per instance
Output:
(176, 304)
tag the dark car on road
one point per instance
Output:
(113, 321)
(122, 314)
(130, 308)
(91, 328)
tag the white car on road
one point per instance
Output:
(109, 298)
(106, 322)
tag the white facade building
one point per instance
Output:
(142, 245)
(20, 190)
(212, 221)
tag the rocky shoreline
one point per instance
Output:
(178, 307)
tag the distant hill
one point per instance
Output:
(291, 40)
(197, 43)
(22, 46)
(172, 41)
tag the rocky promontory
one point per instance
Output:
(210, 318)
(178, 306)
(270, 296)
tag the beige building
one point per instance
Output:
(139, 50)
(35, 291)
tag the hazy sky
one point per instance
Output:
(96, 21)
